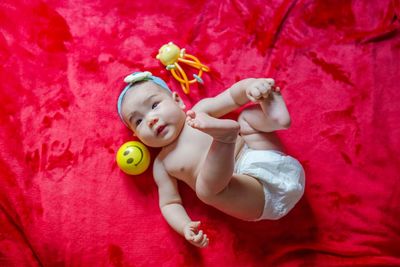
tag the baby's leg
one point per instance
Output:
(238, 195)
(243, 198)
(219, 164)
(258, 123)
(270, 115)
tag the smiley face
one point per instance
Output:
(131, 152)
(133, 157)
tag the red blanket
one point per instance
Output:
(63, 200)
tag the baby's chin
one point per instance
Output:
(162, 142)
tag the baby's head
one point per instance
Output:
(149, 108)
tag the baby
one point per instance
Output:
(234, 166)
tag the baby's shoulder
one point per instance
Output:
(160, 172)
(164, 159)
(158, 163)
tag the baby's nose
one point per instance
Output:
(152, 121)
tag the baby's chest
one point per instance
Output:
(186, 160)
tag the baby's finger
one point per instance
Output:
(198, 237)
(265, 89)
(270, 81)
(204, 242)
(190, 122)
(195, 225)
(252, 99)
(262, 88)
(255, 93)
(190, 113)
(205, 238)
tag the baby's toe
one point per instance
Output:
(191, 114)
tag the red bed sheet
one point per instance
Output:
(63, 200)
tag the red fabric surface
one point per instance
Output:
(64, 202)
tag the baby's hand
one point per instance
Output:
(194, 236)
(260, 89)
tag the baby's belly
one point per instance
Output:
(187, 169)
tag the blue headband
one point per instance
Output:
(134, 78)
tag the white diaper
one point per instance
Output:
(282, 176)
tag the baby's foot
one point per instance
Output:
(222, 130)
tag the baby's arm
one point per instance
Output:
(239, 94)
(171, 207)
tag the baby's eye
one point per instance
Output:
(138, 122)
(154, 105)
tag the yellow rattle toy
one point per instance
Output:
(170, 55)
(133, 158)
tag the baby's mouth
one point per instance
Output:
(159, 129)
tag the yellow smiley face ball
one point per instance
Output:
(133, 158)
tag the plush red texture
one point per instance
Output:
(64, 202)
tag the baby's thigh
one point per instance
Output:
(257, 120)
(248, 120)
(251, 120)
(243, 198)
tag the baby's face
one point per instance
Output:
(155, 115)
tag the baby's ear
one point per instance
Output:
(178, 100)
